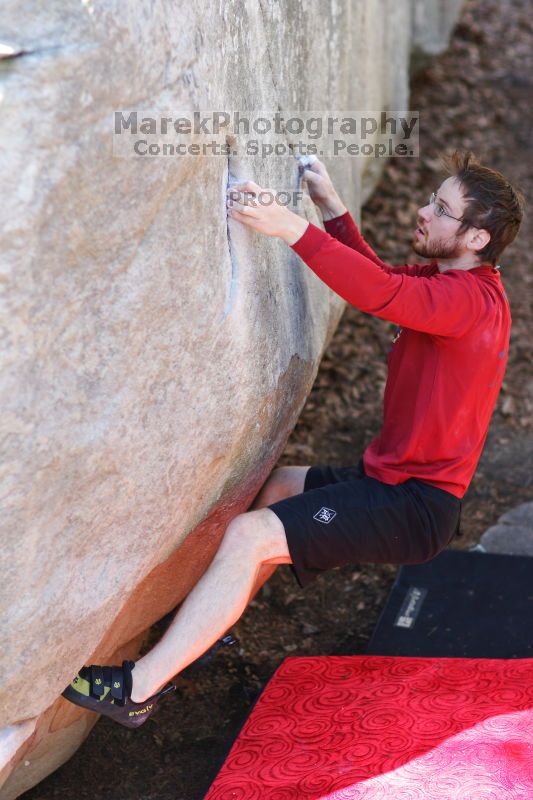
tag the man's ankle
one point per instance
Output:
(139, 689)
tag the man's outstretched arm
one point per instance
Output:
(340, 224)
(338, 221)
(446, 305)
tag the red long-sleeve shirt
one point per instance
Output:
(446, 368)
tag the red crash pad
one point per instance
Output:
(387, 728)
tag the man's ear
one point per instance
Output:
(478, 238)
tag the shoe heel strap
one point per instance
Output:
(165, 690)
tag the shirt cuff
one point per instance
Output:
(339, 223)
(342, 228)
(310, 242)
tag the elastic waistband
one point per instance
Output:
(429, 489)
(435, 491)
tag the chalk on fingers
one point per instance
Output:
(306, 161)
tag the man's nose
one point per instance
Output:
(425, 212)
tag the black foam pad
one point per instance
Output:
(460, 604)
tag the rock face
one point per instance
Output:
(156, 357)
(512, 533)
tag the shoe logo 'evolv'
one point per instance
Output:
(325, 515)
(141, 711)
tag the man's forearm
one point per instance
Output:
(333, 208)
(295, 226)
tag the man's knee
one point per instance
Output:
(283, 482)
(259, 535)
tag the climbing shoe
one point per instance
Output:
(107, 690)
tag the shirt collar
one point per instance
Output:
(483, 269)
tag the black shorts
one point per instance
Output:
(345, 517)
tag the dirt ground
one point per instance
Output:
(478, 95)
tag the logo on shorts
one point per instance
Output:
(325, 515)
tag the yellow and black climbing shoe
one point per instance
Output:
(107, 690)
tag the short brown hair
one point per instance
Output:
(490, 202)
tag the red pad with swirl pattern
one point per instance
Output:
(387, 728)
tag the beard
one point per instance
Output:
(440, 248)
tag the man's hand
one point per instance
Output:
(258, 209)
(322, 191)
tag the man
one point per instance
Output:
(401, 503)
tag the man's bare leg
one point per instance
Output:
(253, 545)
(283, 482)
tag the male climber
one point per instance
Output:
(401, 503)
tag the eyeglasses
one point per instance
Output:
(440, 211)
